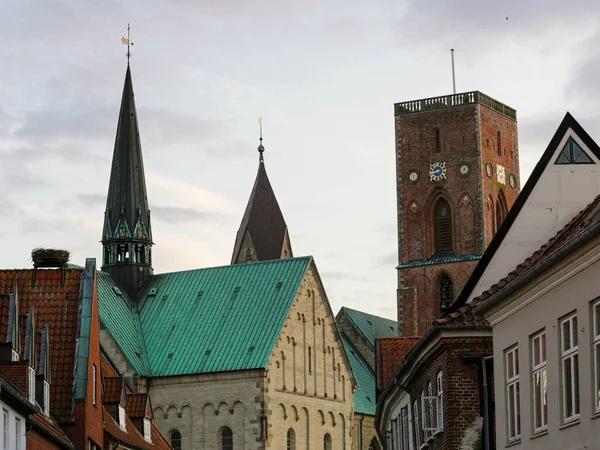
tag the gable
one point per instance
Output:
(552, 196)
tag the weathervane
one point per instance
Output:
(261, 148)
(127, 42)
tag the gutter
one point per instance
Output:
(557, 256)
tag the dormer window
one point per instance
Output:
(122, 418)
(31, 384)
(15, 355)
(47, 398)
(147, 430)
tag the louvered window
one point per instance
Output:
(446, 292)
(442, 226)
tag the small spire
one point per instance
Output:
(261, 148)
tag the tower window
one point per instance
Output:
(501, 211)
(442, 226)
(436, 140)
(176, 440)
(226, 439)
(446, 292)
(499, 143)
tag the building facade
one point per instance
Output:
(457, 175)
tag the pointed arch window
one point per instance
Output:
(176, 440)
(501, 210)
(442, 226)
(499, 143)
(437, 143)
(226, 439)
(446, 292)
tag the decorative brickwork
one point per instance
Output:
(474, 148)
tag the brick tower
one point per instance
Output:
(457, 170)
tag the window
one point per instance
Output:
(499, 143)
(176, 440)
(440, 401)
(291, 439)
(513, 408)
(373, 445)
(501, 211)
(46, 398)
(226, 439)
(394, 435)
(5, 429)
(94, 384)
(122, 418)
(147, 430)
(429, 411)
(539, 380)
(570, 368)
(596, 353)
(446, 292)
(327, 442)
(416, 424)
(436, 140)
(17, 433)
(442, 226)
(31, 387)
(309, 360)
(404, 430)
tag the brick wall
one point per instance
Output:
(17, 372)
(37, 441)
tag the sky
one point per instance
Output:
(323, 74)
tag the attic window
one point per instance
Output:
(15, 355)
(46, 398)
(147, 430)
(152, 291)
(122, 418)
(117, 290)
(31, 380)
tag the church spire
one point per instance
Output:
(263, 233)
(127, 234)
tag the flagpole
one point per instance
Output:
(453, 76)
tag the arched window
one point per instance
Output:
(437, 144)
(291, 440)
(309, 360)
(499, 143)
(374, 445)
(226, 439)
(327, 442)
(176, 440)
(501, 211)
(442, 226)
(446, 290)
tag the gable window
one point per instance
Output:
(291, 440)
(416, 424)
(570, 368)
(94, 385)
(176, 440)
(513, 408)
(147, 430)
(499, 143)
(539, 380)
(122, 418)
(437, 144)
(596, 353)
(442, 226)
(226, 439)
(31, 387)
(446, 292)
(327, 442)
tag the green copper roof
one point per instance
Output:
(372, 326)
(439, 258)
(364, 397)
(206, 320)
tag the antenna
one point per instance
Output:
(453, 75)
(261, 148)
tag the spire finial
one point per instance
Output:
(128, 43)
(261, 148)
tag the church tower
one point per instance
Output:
(127, 235)
(263, 233)
(457, 175)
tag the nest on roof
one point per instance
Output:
(49, 257)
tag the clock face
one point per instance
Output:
(489, 170)
(437, 171)
(413, 176)
(512, 180)
(464, 169)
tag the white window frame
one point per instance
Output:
(569, 362)
(513, 397)
(539, 374)
(15, 355)
(18, 434)
(31, 384)
(5, 430)
(94, 385)
(147, 430)
(122, 418)
(46, 398)
(596, 353)
(416, 424)
(440, 400)
(394, 434)
(405, 438)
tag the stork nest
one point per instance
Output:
(49, 257)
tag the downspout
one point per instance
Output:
(486, 403)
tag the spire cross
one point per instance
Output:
(261, 148)
(128, 52)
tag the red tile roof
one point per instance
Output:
(112, 389)
(136, 405)
(132, 436)
(56, 303)
(50, 428)
(390, 353)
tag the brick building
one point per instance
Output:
(457, 175)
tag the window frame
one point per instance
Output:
(291, 439)
(5, 430)
(122, 418)
(94, 385)
(440, 400)
(539, 371)
(596, 353)
(31, 384)
(443, 241)
(513, 394)
(147, 430)
(416, 424)
(569, 361)
(222, 436)
(18, 434)
(177, 434)
(46, 398)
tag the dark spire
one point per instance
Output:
(263, 233)
(127, 234)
